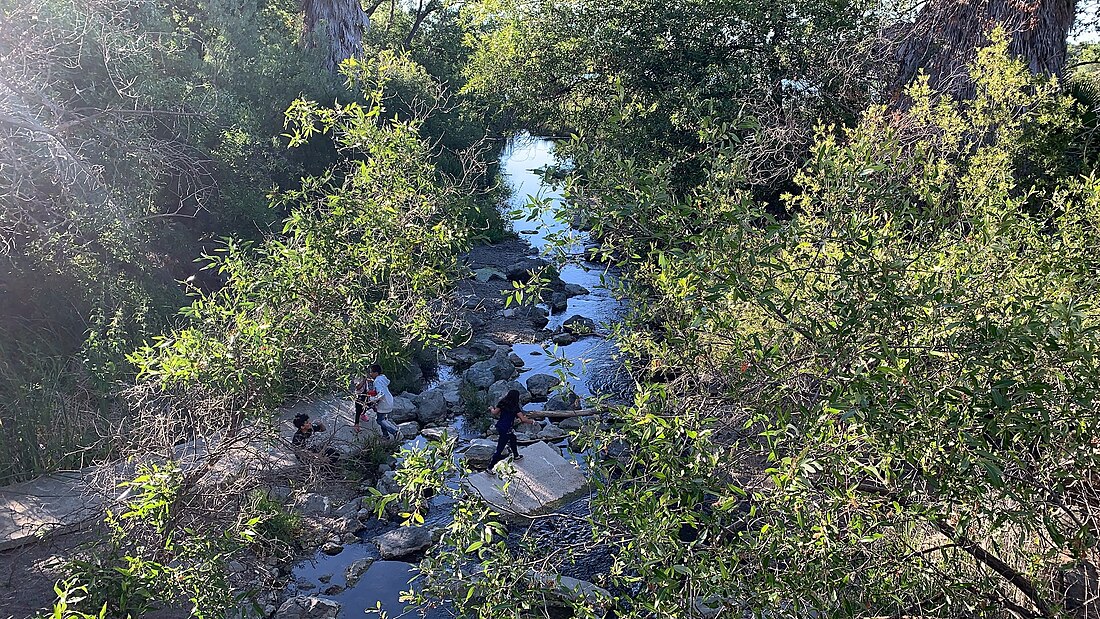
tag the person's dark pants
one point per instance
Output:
(506, 439)
(360, 402)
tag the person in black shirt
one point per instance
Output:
(507, 410)
(305, 447)
(303, 430)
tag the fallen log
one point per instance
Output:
(583, 412)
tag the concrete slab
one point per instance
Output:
(541, 481)
(31, 510)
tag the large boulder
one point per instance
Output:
(403, 410)
(308, 607)
(479, 452)
(575, 290)
(562, 402)
(480, 375)
(551, 433)
(501, 387)
(402, 542)
(579, 325)
(522, 270)
(408, 430)
(313, 504)
(540, 385)
(431, 406)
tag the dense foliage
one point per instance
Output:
(137, 134)
(874, 398)
(865, 339)
(883, 403)
(642, 78)
(357, 275)
(131, 132)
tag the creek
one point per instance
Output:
(595, 370)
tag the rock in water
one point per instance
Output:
(551, 433)
(562, 402)
(558, 301)
(400, 543)
(435, 434)
(431, 406)
(356, 570)
(408, 430)
(540, 385)
(403, 410)
(479, 452)
(539, 317)
(575, 290)
(579, 325)
(501, 387)
(503, 368)
(480, 375)
(484, 373)
(563, 339)
(332, 549)
(308, 607)
(572, 423)
(522, 270)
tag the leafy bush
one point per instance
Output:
(867, 407)
(158, 555)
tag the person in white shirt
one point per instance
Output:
(383, 401)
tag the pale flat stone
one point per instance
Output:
(543, 479)
(53, 504)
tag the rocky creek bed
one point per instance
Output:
(362, 562)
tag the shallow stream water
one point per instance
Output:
(595, 370)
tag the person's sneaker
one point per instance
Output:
(518, 457)
(490, 472)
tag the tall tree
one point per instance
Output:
(945, 36)
(338, 24)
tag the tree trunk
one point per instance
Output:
(338, 25)
(946, 34)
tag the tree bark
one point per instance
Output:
(422, 12)
(944, 38)
(336, 24)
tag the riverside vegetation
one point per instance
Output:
(862, 315)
